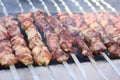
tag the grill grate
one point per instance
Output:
(66, 65)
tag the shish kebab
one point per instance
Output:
(93, 46)
(41, 54)
(33, 9)
(107, 39)
(107, 57)
(105, 22)
(7, 56)
(67, 46)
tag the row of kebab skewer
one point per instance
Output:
(91, 34)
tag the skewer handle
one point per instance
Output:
(14, 72)
(52, 76)
(110, 62)
(96, 67)
(79, 66)
(69, 70)
(35, 76)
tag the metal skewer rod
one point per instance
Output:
(108, 6)
(90, 58)
(12, 67)
(102, 53)
(31, 68)
(66, 65)
(81, 69)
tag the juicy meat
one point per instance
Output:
(13, 30)
(72, 23)
(52, 42)
(51, 37)
(6, 54)
(22, 52)
(93, 38)
(40, 53)
(67, 41)
(3, 32)
(113, 48)
(82, 45)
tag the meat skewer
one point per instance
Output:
(19, 45)
(6, 50)
(51, 37)
(91, 59)
(105, 20)
(105, 56)
(81, 43)
(33, 8)
(31, 67)
(64, 62)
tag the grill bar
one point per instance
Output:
(98, 4)
(12, 67)
(66, 65)
(103, 54)
(90, 58)
(81, 69)
(108, 6)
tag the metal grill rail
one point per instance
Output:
(31, 68)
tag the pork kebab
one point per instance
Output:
(40, 52)
(19, 46)
(52, 39)
(109, 42)
(6, 53)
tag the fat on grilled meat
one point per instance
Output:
(40, 53)
(52, 39)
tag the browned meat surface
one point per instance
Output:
(19, 46)
(51, 38)
(40, 52)
(72, 23)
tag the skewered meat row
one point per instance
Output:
(52, 39)
(66, 39)
(19, 46)
(111, 45)
(54, 32)
(111, 25)
(6, 53)
(40, 53)
(71, 23)
(90, 35)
